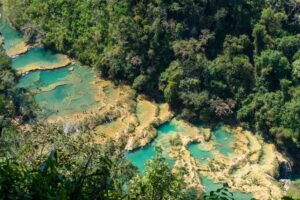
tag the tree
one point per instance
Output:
(158, 183)
(289, 45)
(270, 67)
(169, 82)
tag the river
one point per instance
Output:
(62, 87)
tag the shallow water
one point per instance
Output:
(57, 92)
(72, 91)
(12, 37)
(222, 138)
(223, 141)
(198, 152)
(38, 79)
(36, 56)
(75, 94)
(140, 156)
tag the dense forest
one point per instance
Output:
(235, 61)
(15, 106)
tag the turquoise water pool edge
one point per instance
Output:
(140, 156)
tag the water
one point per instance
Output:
(12, 37)
(210, 185)
(57, 92)
(223, 141)
(39, 79)
(199, 153)
(61, 91)
(36, 56)
(140, 156)
(73, 91)
(169, 127)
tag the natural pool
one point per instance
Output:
(59, 91)
(140, 156)
(221, 138)
(38, 79)
(223, 141)
(38, 57)
(199, 153)
(13, 39)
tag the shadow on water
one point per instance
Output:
(210, 185)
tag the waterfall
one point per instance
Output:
(285, 170)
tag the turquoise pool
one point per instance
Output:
(140, 156)
(12, 36)
(36, 56)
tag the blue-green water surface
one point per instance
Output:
(36, 56)
(223, 141)
(37, 79)
(57, 92)
(12, 36)
(199, 153)
(140, 156)
(75, 94)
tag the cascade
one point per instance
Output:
(285, 169)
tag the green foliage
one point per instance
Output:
(14, 104)
(271, 67)
(19, 181)
(289, 45)
(158, 182)
(79, 170)
(211, 60)
(222, 193)
(7, 86)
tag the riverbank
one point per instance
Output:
(18, 50)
